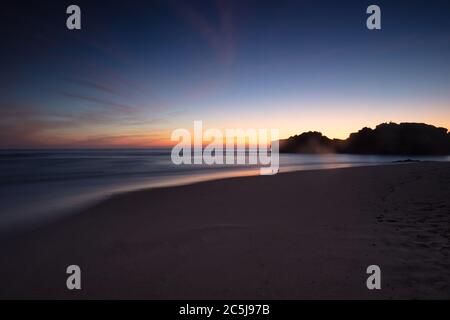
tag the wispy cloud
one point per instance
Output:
(100, 101)
(220, 37)
(125, 140)
(30, 127)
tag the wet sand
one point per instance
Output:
(298, 235)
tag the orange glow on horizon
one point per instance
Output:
(289, 119)
(331, 129)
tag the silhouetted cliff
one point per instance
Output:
(307, 142)
(386, 138)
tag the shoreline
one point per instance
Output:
(59, 211)
(226, 239)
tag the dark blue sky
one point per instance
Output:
(139, 69)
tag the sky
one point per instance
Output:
(137, 70)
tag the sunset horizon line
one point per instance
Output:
(170, 144)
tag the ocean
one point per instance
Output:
(38, 186)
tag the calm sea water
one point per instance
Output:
(38, 186)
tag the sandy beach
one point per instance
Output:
(298, 235)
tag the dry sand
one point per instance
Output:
(300, 235)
